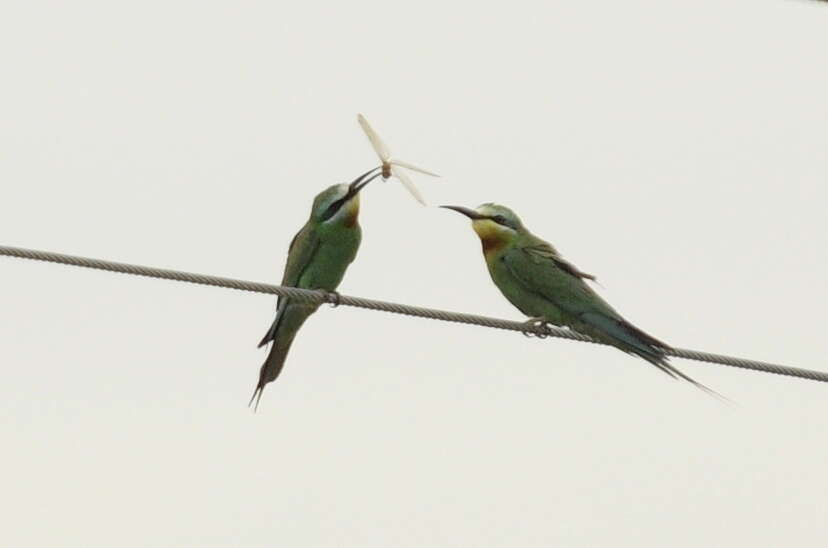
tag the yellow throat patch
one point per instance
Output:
(492, 235)
(352, 211)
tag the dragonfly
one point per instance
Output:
(391, 167)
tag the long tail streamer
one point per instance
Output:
(312, 296)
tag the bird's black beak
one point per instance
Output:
(362, 181)
(470, 213)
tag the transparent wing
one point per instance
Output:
(379, 147)
(408, 184)
(406, 165)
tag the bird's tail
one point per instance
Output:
(281, 333)
(624, 335)
(270, 369)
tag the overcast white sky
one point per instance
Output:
(675, 149)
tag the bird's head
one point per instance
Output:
(339, 204)
(496, 225)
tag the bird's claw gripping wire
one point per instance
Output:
(533, 327)
(397, 308)
(333, 298)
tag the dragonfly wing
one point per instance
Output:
(406, 165)
(408, 184)
(379, 147)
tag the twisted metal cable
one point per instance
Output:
(538, 329)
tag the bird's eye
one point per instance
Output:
(501, 220)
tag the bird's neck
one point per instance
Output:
(351, 213)
(493, 237)
(492, 245)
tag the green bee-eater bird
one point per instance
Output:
(535, 278)
(317, 259)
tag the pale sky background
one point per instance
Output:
(675, 149)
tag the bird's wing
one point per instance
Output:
(301, 253)
(546, 274)
(542, 251)
(545, 277)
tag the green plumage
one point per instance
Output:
(318, 257)
(535, 278)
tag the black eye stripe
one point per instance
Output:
(501, 220)
(332, 209)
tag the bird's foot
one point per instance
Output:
(534, 327)
(333, 298)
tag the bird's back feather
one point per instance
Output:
(536, 279)
(317, 259)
